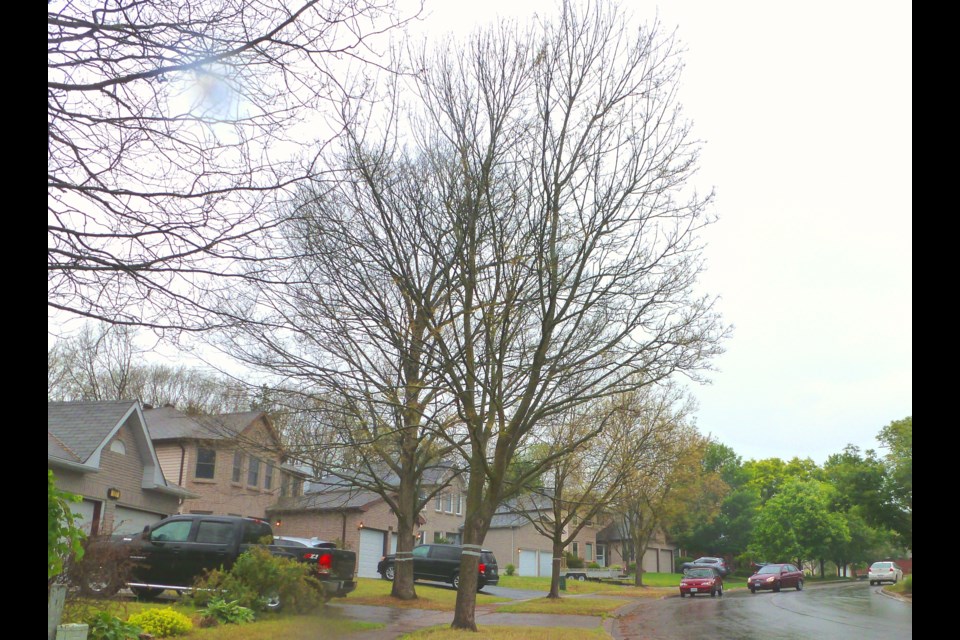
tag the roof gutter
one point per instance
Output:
(73, 466)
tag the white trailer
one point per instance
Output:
(593, 574)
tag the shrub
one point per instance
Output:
(102, 568)
(227, 612)
(681, 559)
(162, 622)
(573, 562)
(255, 577)
(104, 626)
(593, 565)
(511, 569)
(908, 584)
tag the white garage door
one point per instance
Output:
(666, 561)
(83, 514)
(528, 563)
(546, 563)
(126, 520)
(371, 550)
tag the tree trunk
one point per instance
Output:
(638, 554)
(403, 587)
(464, 613)
(555, 571)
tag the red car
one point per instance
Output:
(701, 580)
(776, 577)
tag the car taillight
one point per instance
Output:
(325, 563)
(483, 568)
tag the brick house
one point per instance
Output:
(362, 521)
(233, 462)
(514, 540)
(658, 557)
(103, 452)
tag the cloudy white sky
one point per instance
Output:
(805, 109)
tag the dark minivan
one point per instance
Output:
(441, 563)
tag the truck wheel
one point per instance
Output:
(389, 572)
(581, 578)
(272, 602)
(146, 593)
(99, 583)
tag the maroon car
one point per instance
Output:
(701, 580)
(776, 577)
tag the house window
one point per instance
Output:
(206, 462)
(253, 473)
(459, 504)
(268, 477)
(576, 549)
(438, 503)
(438, 536)
(117, 446)
(237, 466)
(449, 497)
(284, 484)
(589, 552)
(421, 537)
(423, 500)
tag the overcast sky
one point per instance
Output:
(805, 108)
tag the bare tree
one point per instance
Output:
(580, 485)
(576, 233)
(172, 138)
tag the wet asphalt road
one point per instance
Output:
(821, 612)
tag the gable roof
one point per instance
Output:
(77, 433)
(166, 424)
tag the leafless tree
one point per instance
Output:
(174, 131)
(576, 231)
(348, 333)
(579, 486)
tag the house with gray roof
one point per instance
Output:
(103, 452)
(234, 463)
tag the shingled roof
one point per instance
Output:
(167, 423)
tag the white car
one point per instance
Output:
(884, 572)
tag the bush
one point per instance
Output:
(511, 569)
(162, 622)
(227, 612)
(101, 569)
(681, 559)
(255, 577)
(908, 584)
(104, 626)
(573, 562)
(593, 565)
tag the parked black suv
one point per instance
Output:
(441, 563)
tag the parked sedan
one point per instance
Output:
(701, 580)
(775, 577)
(710, 562)
(884, 572)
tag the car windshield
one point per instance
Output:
(771, 568)
(706, 560)
(881, 565)
(700, 573)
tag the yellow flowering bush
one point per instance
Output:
(162, 622)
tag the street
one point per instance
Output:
(822, 612)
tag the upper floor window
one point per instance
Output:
(237, 466)
(268, 476)
(449, 501)
(206, 462)
(117, 446)
(459, 504)
(253, 472)
(438, 502)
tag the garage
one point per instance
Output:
(83, 512)
(528, 563)
(127, 520)
(546, 563)
(371, 550)
(666, 561)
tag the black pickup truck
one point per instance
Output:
(172, 553)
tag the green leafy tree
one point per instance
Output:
(798, 523)
(64, 538)
(897, 437)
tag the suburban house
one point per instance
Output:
(103, 452)
(514, 540)
(658, 557)
(233, 462)
(361, 520)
